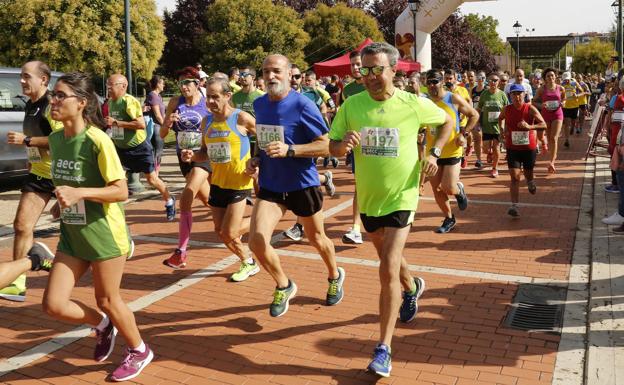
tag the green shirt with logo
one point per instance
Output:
(244, 101)
(491, 106)
(352, 89)
(127, 108)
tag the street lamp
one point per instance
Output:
(517, 28)
(617, 10)
(413, 6)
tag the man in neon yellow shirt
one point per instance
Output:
(381, 127)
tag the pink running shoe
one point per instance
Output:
(494, 173)
(177, 260)
(105, 342)
(132, 364)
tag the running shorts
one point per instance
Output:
(398, 219)
(223, 197)
(303, 203)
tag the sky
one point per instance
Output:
(548, 17)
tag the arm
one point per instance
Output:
(170, 117)
(17, 138)
(444, 132)
(246, 124)
(533, 113)
(339, 148)
(501, 120)
(537, 100)
(467, 110)
(135, 124)
(319, 147)
(115, 191)
(157, 115)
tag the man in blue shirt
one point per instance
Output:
(290, 132)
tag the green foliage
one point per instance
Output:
(592, 57)
(243, 32)
(484, 27)
(84, 35)
(337, 29)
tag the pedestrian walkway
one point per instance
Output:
(205, 330)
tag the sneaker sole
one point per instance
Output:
(112, 346)
(131, 252)
(14, 297)
(250, 274)
(45, 247)
(444, 232)
(350, 241)
(147, 361)
(381, 374)
(175, 267)
(292, 295)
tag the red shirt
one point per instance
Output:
(516, 138)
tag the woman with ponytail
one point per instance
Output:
(90, 188)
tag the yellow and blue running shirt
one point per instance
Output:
(450, 149)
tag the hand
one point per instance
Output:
(276, 150)
(55, 210)
(524, 125)
(15, 138)
(431, 166)
(110, 121)
(174, 117)
(251, 167)
(186, 156)
(351, 140)
(460, 140)
(67, 196)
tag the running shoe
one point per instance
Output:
(566, 143)
(325, 162)
(494, 173)
(462, 199)
(295, 233)
(618, 230)
(352, 237)
(335, 291)
(578, 131)
(245, 271)
(464, 162)
(177, 260)
(478, 165)
(281, 299)
(381, 363)
(468, 151)
(532, 187)
(131, 252)
(16, 291)
(447, 225)
(538, 150)
(334, 162)
(171, 210)
(330, 189)
(41, 256)
(614, 219)
(105, 342)
(409, 307)
(611, 188)
(513, 211)
(132, 364)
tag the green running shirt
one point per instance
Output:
(244, 101)
(126, 109)
(491, 106)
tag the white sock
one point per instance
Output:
(169, 202)
(249, 261)
(141, 348)
(103, 323)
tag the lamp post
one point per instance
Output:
(128, 49)
(469, 55)
(617, 9)
(413, 6)
(517, 28)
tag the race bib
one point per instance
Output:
(617, 116)
(117, 132)
(75, 215)
(551, 105)
(219, 152)
(189, 140)
(379, 141)
(520, 138)
(34, 155)
(493, 116)
(475, 105)
(570, 94)
(266, 133)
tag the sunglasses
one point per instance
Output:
(433, 82)
(244, 74)
(376, 70)
(494, 80)
(186, 82)
(297, 76)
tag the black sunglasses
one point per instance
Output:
(297, 76)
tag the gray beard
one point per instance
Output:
(277, 89)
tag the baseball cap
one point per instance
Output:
(566, 76)
(202, 74)
(516, 88)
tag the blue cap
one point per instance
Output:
(516, 88)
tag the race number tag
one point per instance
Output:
(493, 116)
(475, 105)
(379, 141)
(570, 94)
(75, 215)
(219, 152)
(34, 155)
(520, 138)
(267, 133)
(617, 116)
(117, 133)
(189, 140)
(551, 105)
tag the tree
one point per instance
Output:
(84, 35)
(454, 46)
(242, 32)
(484, 27)
(386, 13)
(301, 6)
(336, 30)
(182, 27)
(592, 57)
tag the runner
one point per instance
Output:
(226, 144)
(522, 120)
(184, 116)
(90, 188)
(583, 102)
(570, 106)
(450, 83)
(155, 109)
(491, 102)
(127, 129)
(233, 76)
(291, 131)
(260, 84)
(446, 180)
(243, 99)
(381, 127)
(476, 135)
(38, 187)
(549, 97)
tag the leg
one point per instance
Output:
(441, 197)
(9, 271)
(106, 281)
(264, 218)
(30, 207)
(228, 225)
(478, 142)
(514, 188)
(158, 184)
(314, 230)
(196, 183)
(66, 271)
(495, 154)
(554, 130)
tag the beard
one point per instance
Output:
(277, 88)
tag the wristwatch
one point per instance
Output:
(435, 152)
(291, 151)
(27, 141)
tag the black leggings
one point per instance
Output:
(157, 144)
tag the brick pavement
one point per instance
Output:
(217, 332)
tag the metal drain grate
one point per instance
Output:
(537, 309)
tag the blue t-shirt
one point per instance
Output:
(302, 123)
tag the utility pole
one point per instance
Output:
(128, 48)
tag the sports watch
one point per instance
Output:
(291, 151)
(435, 152)
(27, 141)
